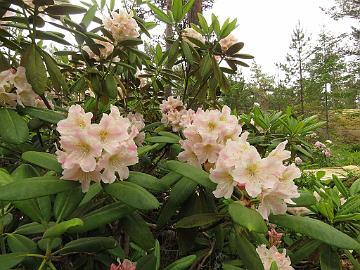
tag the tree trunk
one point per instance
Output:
(168, 34)
(197, 8)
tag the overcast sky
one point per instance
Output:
(265, 26)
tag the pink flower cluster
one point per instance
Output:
(174, 114)
(125, 265)
(268, 179)
(15, 89)
(207, 134)
(274, 236)
(122, 26)
(323, 148)
(268, 256)
(96, 152)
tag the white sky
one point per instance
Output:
(265, 26)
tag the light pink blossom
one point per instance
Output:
(125, 155)
(274, 199)
(83, 150)
(76, 173)
(77, 120)
(122, 26)
(109, 132)
(125, 265)
(268, 256)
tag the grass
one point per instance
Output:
(345, 154)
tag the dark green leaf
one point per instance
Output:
(42, 159)
(317, 230)
(199, 220)
(60, 228)
(64, 9)
(34, 187)
(247, 217)
(13, 128)
(89, 244)
(195, 174)
(35, 69)
(132, 195)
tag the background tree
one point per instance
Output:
(294, 68)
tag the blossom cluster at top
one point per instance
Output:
(96, 152)
(240, 164)
(268, 256)
(174, 113)
(125, 265)
(122, 26)
(207, 134)
(15, 89)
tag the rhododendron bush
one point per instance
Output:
(117, 153)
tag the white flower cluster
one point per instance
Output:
(15, 89)
(122, 26)
(96, 152)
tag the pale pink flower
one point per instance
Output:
(207, 133)
(125, 265)
(326, 152)
(225, 182)
(187, 118)
(188, 154)
(137, 121)
(105, 51)
(274, 199)
(207, 150)
(290, 173)
(319, 145)
(298, 161)
(227, 42)
(268, 256)
(77, 120)
(253, 172)
(171, 104)
(7, 98)
(125, 155)
(279, 154)
(122, 26)
(109, 132)
(83, 150)
(75, 173)
(189, 32)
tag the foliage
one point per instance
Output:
(162, 204)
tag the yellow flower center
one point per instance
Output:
(81, 123)
(252, 169)
(103, 135)
(211, 125)
(85, 148)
